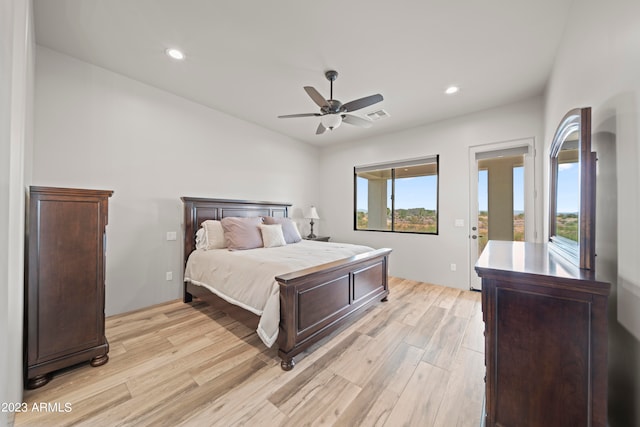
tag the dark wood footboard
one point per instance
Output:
(316, 301)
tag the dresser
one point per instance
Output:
(65, 281)
(545, 338)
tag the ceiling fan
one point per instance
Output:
(332, 111)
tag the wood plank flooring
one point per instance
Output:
(416, 360)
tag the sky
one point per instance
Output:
(568, 181)
(421, 192)
(568, 188)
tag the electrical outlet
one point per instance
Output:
(453, 267)
(171, 235)
(169, 275)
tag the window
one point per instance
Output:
(399, 196)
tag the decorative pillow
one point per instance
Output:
(289, 228)
(213, 234)
(201, 239)
(242, 233)
(272, 235)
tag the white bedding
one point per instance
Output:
(247, 278)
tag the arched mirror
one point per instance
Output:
(572, 190)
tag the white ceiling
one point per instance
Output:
(251, 58)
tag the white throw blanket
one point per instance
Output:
(247, 278)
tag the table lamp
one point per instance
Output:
(311, 214)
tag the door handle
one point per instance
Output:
(475, 237)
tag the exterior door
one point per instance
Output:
(501, 196)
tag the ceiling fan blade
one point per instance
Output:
(288, 116)
(356, 121)
(362, 102)
(321, 129)
(315, 95)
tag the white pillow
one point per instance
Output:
(201, 239)
(272, 235)
(289, 228)
(214, 234)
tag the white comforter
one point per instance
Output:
(247, 278)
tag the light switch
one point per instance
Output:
(459, 223)
(171, 235)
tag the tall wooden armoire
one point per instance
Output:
(65, 281)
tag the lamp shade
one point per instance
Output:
(311, 213)
(331, 121)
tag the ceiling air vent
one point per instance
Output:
(377, 115)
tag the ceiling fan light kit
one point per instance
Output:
(331, 121)
(333, 112)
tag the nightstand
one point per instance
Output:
(318, 238)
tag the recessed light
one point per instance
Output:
(451, 90)
(175, 54)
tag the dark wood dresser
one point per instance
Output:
(545, 338)
(64, 284)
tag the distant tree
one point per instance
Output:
(362, 220)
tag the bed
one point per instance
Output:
(312, 302)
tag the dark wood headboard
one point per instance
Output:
(197, 210)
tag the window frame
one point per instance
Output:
(392, 166)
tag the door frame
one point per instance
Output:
(529, 199)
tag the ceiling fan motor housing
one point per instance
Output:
(331, 75)
(334, 106)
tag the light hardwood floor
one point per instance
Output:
(416, 360)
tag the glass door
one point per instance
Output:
(501, 197)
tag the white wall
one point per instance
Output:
(598, 65)
(98, 129)
(425, 258)
(16, 92)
